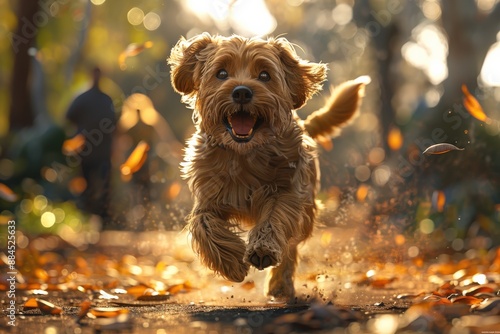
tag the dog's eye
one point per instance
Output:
(222, 74)
(264, 76)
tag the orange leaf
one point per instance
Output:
(137, 290)
(473, 106)
(84, 309)
(136, 159)
(30, 304)
(48, 308)
(468, 300)
(7, 194)
(395, 139)
(73, 145)
(108, 312)
(132, 50)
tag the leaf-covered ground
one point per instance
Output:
(151, 282)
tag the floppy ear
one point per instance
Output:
(186, 62)
(303, 78)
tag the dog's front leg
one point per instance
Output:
(219, 248)
(273, 241)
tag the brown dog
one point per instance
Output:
(252, 162)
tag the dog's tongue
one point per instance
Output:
(242, 123)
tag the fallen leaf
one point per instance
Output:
(478, 289)
(473, 106)
(30, 304)
(108, 312)
(154, 298)
(137, 290)
(469, 300)
(186, 286)
(488, 305)
(104, 295)
(48, 308)
(84, 309)
(441, 149)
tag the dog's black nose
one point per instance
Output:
(242, 94)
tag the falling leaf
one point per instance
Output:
(174, 190)
(48, 308)
(441, 149)
(439, 200)
(7, 194)
(73, 145)
(395, 139)
(77, 185)
(132, 50)
(473, 106)
(136, 159)
(362, 192)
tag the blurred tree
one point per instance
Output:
(21, 109)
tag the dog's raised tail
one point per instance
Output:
(340, 108)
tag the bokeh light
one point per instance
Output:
(98, 2)
(135, 16)
(152, 21)
(342, 14)
(490, 71)
(48, 219)
(428, 51)
(426, 226)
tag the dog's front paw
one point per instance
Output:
(236, 272)
(262, 256)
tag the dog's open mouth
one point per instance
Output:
(241, 125)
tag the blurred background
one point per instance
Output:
(375, 178)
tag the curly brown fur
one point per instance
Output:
(252, 163)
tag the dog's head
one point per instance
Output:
(243, 91)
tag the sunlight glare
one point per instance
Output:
(428, 52)
(490, 72)
(246, 18)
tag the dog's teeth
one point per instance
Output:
(242, 136)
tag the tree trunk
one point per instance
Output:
(21, 111)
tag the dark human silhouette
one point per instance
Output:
(94, 115)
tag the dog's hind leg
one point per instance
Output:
(219, 248)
